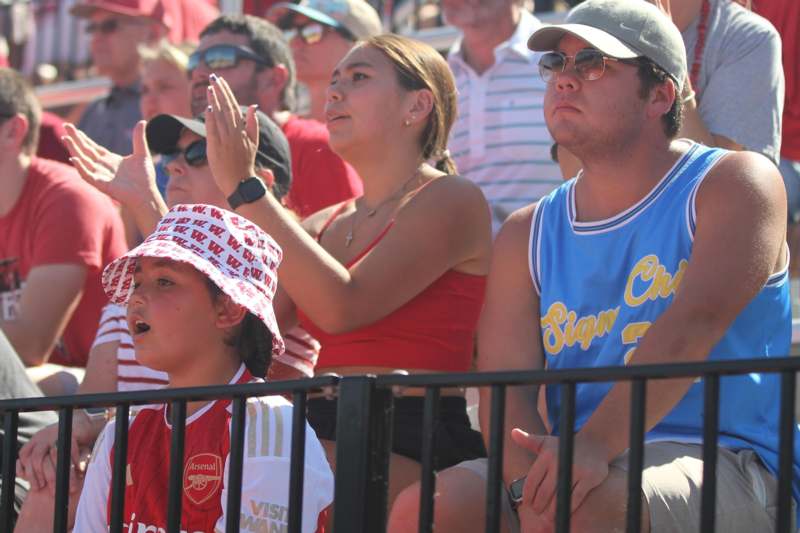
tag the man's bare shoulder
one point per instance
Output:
(510, 252)
(517, 226)
(743, 180)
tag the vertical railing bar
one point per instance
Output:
(786, 451)
(381, 423)
(236, 460)
(175, 495)
(494, 483)
(10, 427)
(119, 473)
(636, 455)
(566, 442)
(353, 473)
(62, 469)
(428, 481)
(296, 480)
(708, 495)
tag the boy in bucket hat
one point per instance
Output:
(199, 292)
(113, 364)
(661, 250)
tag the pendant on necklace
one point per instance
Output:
(349, 238)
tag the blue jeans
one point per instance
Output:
(790, 170)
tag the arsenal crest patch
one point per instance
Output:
(202, 477)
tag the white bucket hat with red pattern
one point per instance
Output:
(233, 252)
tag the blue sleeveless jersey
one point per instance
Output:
(602, 284)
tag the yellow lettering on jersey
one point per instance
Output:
(662, 284)
(631, 335)
(561, 327)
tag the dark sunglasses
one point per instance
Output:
(194, 154)
(224, 56)
(105, 27)
(589, 63)
(313, 32)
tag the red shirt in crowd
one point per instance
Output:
(320, 178)
(785, 16)
(50, 133)
(187, 18)
(59, 219)
(258, 8)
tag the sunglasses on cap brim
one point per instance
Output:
(224, 56)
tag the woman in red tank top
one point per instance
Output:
(394, 279)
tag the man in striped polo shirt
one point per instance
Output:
(500, 140)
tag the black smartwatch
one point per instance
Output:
(515, 491)
(249, 190)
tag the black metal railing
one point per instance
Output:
(364, 422)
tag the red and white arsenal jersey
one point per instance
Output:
(265, 475)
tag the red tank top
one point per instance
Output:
(435, 330)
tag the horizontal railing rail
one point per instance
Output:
(364, 427)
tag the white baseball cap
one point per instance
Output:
(622, 29)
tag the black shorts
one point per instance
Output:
(454, 438)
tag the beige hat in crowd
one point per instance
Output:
(357, 17)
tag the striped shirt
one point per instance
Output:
(301, 353)
(500, 140)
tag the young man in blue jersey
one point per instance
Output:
(660, 251)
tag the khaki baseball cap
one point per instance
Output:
(623, 29)
(356, 16)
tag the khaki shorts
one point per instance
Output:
(672, 481)
(673, 477)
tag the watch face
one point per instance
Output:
(515, 490)
(252, 189)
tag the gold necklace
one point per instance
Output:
(372, 212)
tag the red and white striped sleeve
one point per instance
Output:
(112, 325)
(302, 351)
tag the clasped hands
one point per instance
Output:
(538, 506)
